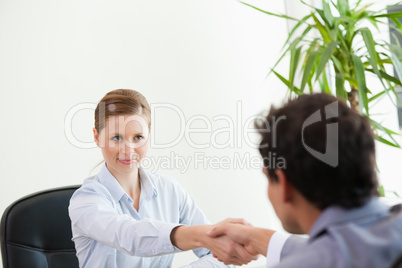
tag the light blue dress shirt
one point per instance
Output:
(369, 236)
(109, 233)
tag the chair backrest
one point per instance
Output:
(36, 231)
(397, 263)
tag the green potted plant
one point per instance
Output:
(335, 40)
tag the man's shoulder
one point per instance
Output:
(386, 226)
(374, 244)
(322, 252)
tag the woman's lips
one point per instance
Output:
(127, 162)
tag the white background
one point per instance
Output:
(204, 57)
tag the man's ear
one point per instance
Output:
(96, 136)
(285, 187)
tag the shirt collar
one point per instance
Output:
(337, 214)
(147, 187)
(109, 181)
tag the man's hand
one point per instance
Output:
(228, 252)
(196, 236)
(225, 249)
(254, 240)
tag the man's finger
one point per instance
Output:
(244, 255)
(237, 255)
(217, 231)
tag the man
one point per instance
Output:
(327, 189)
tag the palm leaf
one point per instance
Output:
(287, 83)
(380, 127)
(387, 131)
(340, 87)
(387, 142)
(376, 96)
(307, 69)
(397, 65)
(373, 59)
(397, 23)
(361, 81)
(294, 62)
(323, 31)
(395, 14)
(270, 13)
(290, 47)
(302, 21)
(324, 84)
(326, 55)
(329, 18)
(381, 191)
(338, 42)
(343, 7)
(386, 77)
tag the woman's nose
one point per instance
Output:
(128, 147)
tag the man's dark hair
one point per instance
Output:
(351, 182)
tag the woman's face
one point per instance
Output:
(124, 142)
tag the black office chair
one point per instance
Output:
(398, 263)
(36, 231)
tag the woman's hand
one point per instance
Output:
(223, 247)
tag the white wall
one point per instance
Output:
(201, 56)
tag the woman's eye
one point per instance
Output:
(138, 138)
(117, 138)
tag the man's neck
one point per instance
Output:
(307, 214)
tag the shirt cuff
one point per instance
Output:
(275, 246)
(165, 244)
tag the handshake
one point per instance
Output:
(231, 241)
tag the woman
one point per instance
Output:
(124, 213)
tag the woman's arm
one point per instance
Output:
(190, 237)
(92, 215)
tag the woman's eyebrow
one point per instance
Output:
(114, 134)
(118, 134)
